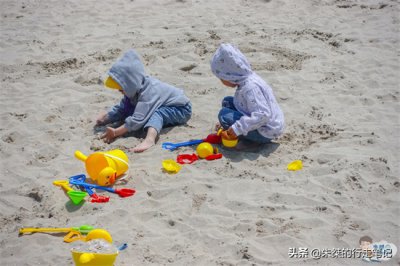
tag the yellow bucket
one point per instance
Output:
(93, 259)
(104, 167)
(230, 143)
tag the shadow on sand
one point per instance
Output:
(251, 153)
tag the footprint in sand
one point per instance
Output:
(198, 200)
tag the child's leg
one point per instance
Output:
(252, 141)
(255, 136)
(174, 115)
(227, 117)
(164, 116)
(227, 102)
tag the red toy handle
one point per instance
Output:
(213, 139)
(214, 157)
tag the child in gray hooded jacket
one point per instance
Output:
(148, 103)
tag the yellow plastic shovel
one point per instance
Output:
(74, 233)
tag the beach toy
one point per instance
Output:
(230, 143)
(104, 167)
(94, 198)
(171, 166)
(79, 180)
(122, 247)
(172, 146)
(214, 157)
(204, 149)
(74, 233)
(93, 259)
(186, 158)
(102, 252)
(99, 233)
(75, 196)
(95, 252)
(112, 84)
(295, 165)
(211, 138)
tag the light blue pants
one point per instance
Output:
(168, 116)
(228, 115)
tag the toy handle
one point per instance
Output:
(63, 184)
(83, 229)
(87, 185)
(122, 247)
(214, 157)
(42, 230)
(89, 191)
(173, 146)
(100, 187)
(80, 156)
(73, 236)
(189, 143)
(116, 158)
(77, 178)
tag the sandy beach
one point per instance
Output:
(334, 68)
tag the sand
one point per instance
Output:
(334, 68)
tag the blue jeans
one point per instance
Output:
(228, 115)
(168, 116)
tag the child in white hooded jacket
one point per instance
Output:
(253, 113)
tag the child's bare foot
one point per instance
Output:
(145, 145)
(148, 142)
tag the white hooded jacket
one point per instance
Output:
(253, 97)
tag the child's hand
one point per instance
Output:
(217, 126)
(109, 135)
(229, 134)
(101, 120)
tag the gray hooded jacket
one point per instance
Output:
(144, 93)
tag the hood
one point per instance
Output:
(228, 63)
(128, 71)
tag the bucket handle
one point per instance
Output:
(79, 155)
(116, 158)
